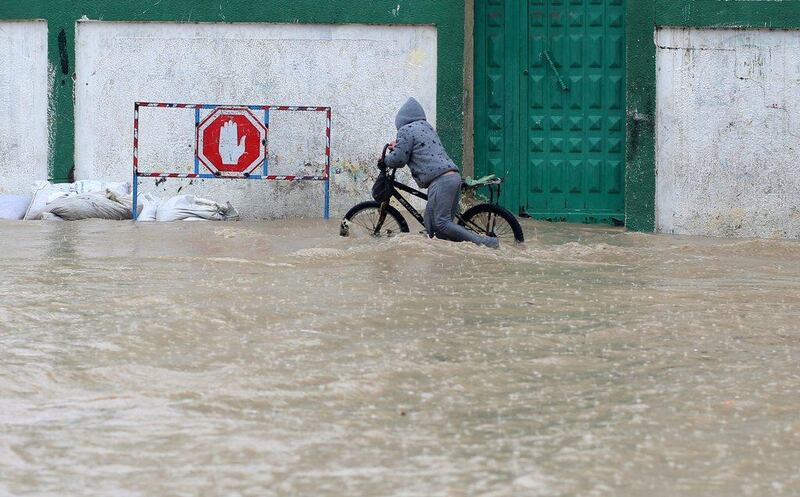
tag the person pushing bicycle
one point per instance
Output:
(418, 146)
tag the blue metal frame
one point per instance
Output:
(135, 214)
(327, 210)
(266, 155)
(196, 155)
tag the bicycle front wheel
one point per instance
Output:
(492, 220)
(366, 218)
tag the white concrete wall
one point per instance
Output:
(23, 105)
(363, 72)
(728, 134)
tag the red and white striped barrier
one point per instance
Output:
(267, 177)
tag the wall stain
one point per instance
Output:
(63, 55)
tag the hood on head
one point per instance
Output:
(410, 111)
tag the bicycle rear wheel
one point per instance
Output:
(492, 220)
(365, 219)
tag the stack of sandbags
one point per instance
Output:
(89, 199)
(184, 208)
(86, 199)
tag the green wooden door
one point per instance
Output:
(550, 105)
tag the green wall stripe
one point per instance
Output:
(447, 16)
(61, 55)
(774, 14)
(640, 179)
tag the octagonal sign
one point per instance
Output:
(231, 142)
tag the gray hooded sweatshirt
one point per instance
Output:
(419, 146)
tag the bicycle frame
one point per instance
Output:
(397, 187)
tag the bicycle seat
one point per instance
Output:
(485, 180)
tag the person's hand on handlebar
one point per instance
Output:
(392, 144)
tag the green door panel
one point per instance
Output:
(550, 105)
(497, 95)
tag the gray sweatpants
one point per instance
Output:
(443, 197)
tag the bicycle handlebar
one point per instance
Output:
(381, 163)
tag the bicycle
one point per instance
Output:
(382, 219)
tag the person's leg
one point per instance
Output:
(442, 200)
(428, 215)
(456, 201)
(437, 201)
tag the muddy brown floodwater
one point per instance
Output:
(278, 359)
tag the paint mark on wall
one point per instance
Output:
(63, 55)
(416, 58)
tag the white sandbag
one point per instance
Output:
(14, 206)
(147, 207)
(91, 206)
(45, 192)
(189, 207)
(93, 186)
